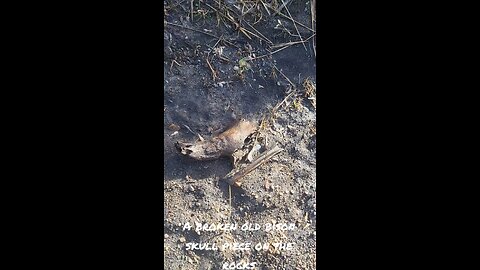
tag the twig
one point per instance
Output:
(268, 54)
(265, 7)
(264, 37)
(218, 41)
(208, 34)
(230, 198)
(313, 15)
(285, 76)
(295, 25)
(283, 101)
(291, 43)
(190, 129)
(285, 45)
(291, 19)
(281, 7)
(174, 62)
(191, 9)
(232, 20)
(214, 75)
(244, 31)
(264, 157)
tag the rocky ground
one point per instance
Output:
(239, 59)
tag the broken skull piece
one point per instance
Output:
(224, 144)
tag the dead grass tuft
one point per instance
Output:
(310, 91)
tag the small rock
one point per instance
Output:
(182, 239)
(253, 152)
(277, 127)
(267, 185)
(199, 193)
(174, 127)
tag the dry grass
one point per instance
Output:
(310, 91)
(243, 15)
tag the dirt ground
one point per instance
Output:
(238, 59)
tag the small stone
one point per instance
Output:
(174, 127)
(182, 239)
(267, 185)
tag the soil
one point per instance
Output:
(214, 75)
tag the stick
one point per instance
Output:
(189, 129)
(283, 45)
(232, 20)
(191, 9)
(291, 19)
(313, 15)
(264, 157)
(214, 75)
(283, 101)
(285, 77)
(295, 25)
(281, 7)
(208, 34)
(264, 37)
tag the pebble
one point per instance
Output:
(174, 127)
(182, 239)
